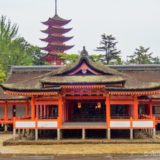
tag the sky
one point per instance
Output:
(133, 23)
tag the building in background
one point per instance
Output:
(56, 39)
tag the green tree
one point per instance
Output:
(8, 31)
(37, 54)
(108, 46)
(141, 56)
(15, 50)
(156, 60)
(68, 57)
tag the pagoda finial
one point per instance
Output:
(55, 7)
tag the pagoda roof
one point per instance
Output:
(52, 38)
(57, 47)
(56, 21)
(50, 57)
(62, 76)
(53, 29)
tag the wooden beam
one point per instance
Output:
(84, 97)
(121, 102)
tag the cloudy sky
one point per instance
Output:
(132, 22)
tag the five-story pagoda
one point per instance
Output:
(56, 39)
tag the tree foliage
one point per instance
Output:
(141, 56)
(108, 46)
(15, 50)
(7, 31)
(68, 57)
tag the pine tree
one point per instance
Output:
(108, 46)
(141, 56)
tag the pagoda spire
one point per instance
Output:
(56, 7)
(56, 39)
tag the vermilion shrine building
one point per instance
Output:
(83, 95)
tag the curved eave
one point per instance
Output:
(57, 48)
(52, 30)
(5, 88)
(56, 39)
(82, 83)
(132, 89)
(49, 57)
(57, 21)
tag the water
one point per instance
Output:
(104, 157)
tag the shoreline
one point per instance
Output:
(78, 149)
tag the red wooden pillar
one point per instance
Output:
(6, 111)
(33, 108)
(135, 108)
(108, 114)
(60, 111)
(150, 108)
(27, 109)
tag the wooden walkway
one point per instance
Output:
(84, 124)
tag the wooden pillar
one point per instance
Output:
(131, 134)
(135, 108)
(108, 116)
(6, 127)
(6, 112)
(27, 109)
(14, 134)
(154, 133)
(108, 133)
(60, 111)
(59, 134)
(36, 134)
(83, 133)
(150, 108)
(33, 108)
(108, 111)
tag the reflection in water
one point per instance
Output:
(107, 157)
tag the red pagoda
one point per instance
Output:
(56, 39)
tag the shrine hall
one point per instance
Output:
(83, 99)
(83, 95)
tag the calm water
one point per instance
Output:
(135, 157)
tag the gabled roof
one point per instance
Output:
(94, 65)
(62, 76)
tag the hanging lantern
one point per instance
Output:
(79, 105)
(98, 105)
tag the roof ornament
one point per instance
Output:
(84, 53)
(56, 7)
